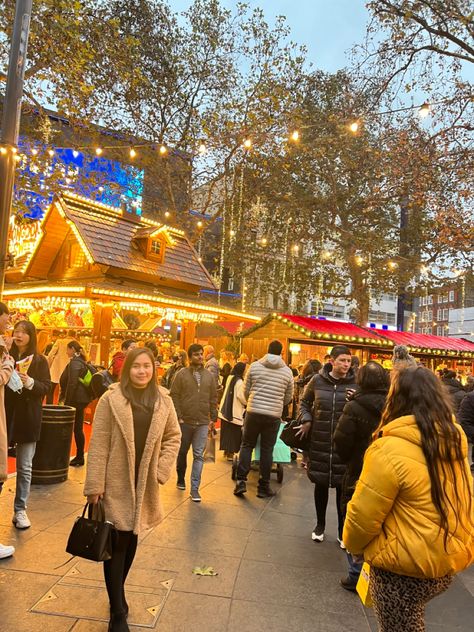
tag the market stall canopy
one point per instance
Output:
(318, 329)
(118, 243)
(427, 343)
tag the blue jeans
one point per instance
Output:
(354, 568)
(24, 460)
(197, 437)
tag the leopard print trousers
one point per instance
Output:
(399, 601)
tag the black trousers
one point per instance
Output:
(50, 395)
(267, 428)
(79, 437)
(124, 547)
(321, 498)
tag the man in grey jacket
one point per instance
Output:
(268, 388)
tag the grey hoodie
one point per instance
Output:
(268, 386)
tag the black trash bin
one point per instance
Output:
(53, 450)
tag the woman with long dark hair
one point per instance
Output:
(24, 412)
(231, 411)
(75, 393)
(412, 514)
(133, 449)
(360, 417)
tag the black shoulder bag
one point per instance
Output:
(91, 537)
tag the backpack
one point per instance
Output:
(100, 382)
(87, 377)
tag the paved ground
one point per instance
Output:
(272, 577)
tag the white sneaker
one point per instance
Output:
(6, 551)
(341, 544)
(317, 534)
(21, 520)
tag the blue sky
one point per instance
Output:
(329, 28)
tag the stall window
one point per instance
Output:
(77, 258)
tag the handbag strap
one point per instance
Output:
(98, 509)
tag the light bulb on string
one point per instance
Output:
(163, 150)
(51, 152)
(295, 136)
(392, 265)
(354, 127)
(18, 157)
(232, 232)
(264, 241)
(167, 214)
(202, 149)
(75, 153)
(3, 150)
(132, 152)
(199, 224)
(296, 249)
(34, 151)
(247, 143)
(99, 151)
(424, 110)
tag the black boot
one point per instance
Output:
(118, 623)
(264, 490)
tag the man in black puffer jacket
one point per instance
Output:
(455, 389)
(321, 406)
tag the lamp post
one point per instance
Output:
(11, 123)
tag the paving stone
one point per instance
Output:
(285, 524)
(16, 537)
(245, 517)
(43, 514)
(184, 612)
(268, 547)
(287, 585)
(43, 553)
(246, 616)
(455, 606)
(201, 537)
(182, 563)
(20, 590)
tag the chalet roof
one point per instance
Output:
(423, 342)
(109, 237)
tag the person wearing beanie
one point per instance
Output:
(268, 387)
(401, 358)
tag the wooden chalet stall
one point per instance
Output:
(435, 352)
(305, 338)
(98, 267)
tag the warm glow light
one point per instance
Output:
(354, 127)
(327, 254)
(295, 135)
(232, 232)
(34, 151)
(14, 150)
(167, 214)
(202, 148)
(75, 153)
(133, 153)
(163, 150)
(424, 110)
(51, 152)
(296, 249)
(295, 347)
(18, 157)
(359, 260)
(99, 151)
(199, 224)
(392, 265)
(264, 241)
(3, 150)
(247, 143)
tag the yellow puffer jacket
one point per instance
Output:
(391, 518)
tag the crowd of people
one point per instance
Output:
(392, 444)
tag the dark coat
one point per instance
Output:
(456, 392)
(322, 403)
(195, 405)
(73, 392)
(466, 415)
(24, 410)
(353, 435)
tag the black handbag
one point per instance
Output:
(91, 537)
(289, 438)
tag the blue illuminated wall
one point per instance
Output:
(97, 178)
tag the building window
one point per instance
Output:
(430, 299)
(155, 247)
(445, 314)
(230, 284)
(451, 296)
(440, 330)
(430, 315)
(445, 298)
